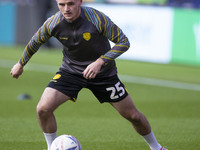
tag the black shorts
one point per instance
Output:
(106, 89)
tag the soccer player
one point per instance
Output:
(88, 62)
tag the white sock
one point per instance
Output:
(151, 141)
(49, 138)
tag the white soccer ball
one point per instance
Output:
(65, 142)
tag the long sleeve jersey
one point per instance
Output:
(84, 40)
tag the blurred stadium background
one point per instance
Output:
(162, 31)
(161, 70)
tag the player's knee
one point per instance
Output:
(134, 118)
(42, 111)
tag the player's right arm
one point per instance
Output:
(40, 37)
(17, 70)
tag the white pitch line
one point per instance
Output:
(159, 82)
(30, 66)
(125, 78)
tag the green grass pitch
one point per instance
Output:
(173, 113)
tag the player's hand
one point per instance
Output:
(93, 69)
(17, 70)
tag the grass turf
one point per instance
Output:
(174, 114)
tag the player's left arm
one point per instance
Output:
(93, 69)
(106, 27)
(116, 35)
(121, 45)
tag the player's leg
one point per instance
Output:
(112, 90)
(50, 100)
(128, 110)
(62, 87)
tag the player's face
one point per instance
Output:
(70, 9)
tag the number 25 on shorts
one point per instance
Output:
(116, 91)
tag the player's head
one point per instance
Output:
(70, 9)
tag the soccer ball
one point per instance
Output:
(65, 142)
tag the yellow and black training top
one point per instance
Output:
(84, 40)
